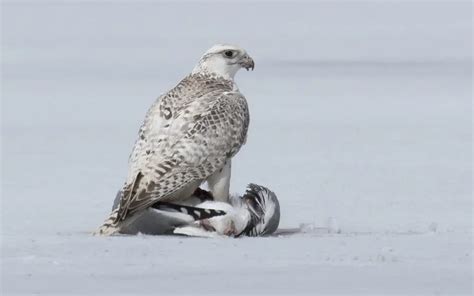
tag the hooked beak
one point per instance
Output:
(247, 62)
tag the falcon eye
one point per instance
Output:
(229, 53)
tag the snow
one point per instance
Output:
(367, 144)
(308, 263)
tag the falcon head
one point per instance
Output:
(224, 60)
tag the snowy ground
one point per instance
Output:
(367, 144)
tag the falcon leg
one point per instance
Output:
(219, 183)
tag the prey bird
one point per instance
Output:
(188, 137)
(255, 213)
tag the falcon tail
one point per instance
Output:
(110, 225)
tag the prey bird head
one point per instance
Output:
(264, 210)
(224, 60)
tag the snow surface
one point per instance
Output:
(361, 124)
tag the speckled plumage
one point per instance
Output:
(188, 134)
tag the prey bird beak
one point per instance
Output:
(247, 63)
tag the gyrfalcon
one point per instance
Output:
(189, 136)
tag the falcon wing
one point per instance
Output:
(194, 145)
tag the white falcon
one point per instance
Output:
(189, 136)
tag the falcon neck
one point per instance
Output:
(211, 81)
(215, 69)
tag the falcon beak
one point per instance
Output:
(247, 62)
